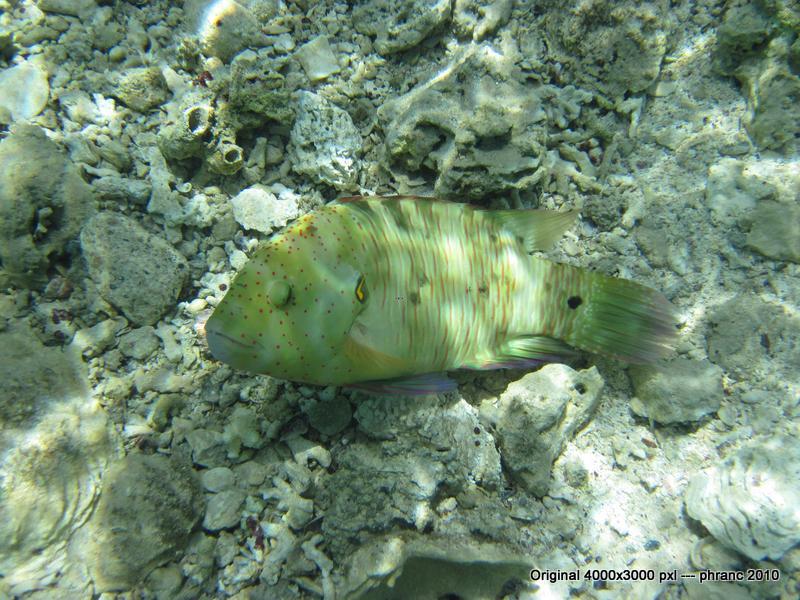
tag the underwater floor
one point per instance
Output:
(148, 147)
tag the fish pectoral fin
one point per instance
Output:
(411, 385)
(361, 353)
(538, 229)
(529, 351)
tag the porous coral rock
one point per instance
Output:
(324, 142)
(398, 24)
(412, 450)
(480, 18)
(613, 47)
(756, 43)
(259, 209)
(535, 416)
(188, 131)
(474, 130)
(257, 92)
(749, 502)
(142, 88)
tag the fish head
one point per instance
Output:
(289, 310)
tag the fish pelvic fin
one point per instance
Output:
(412, 385)
(374, 363)
(538, 229)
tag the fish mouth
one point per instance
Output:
(223, 347)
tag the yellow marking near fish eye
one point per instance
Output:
(361, 290)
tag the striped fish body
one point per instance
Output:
(374, 289)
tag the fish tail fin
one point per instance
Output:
(615, 317)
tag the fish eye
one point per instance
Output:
(361, 289)
(279, 293)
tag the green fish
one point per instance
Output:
(386, 294)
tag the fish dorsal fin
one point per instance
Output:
(538, 229)
(528, 351)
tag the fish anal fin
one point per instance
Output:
(528, 351)
(538, 229)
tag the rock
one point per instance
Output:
(218, 479)
(223, 510)
(136, 271)
(242, 431)
(185, 135)
(409, 452)
(773, 119)
(317, 59)
(51, 464)
(122, 189)
(399, 24)
(746, 332)
(745, 28)
(258, 92)
(93, 341)
(729, 193)
(479, 18)
(775, 232)
(330, 417)
(259, 209)
(324, 143)
(33, 375)
(749, 501)
(615, 48)
(435, 566)
(73, 8)
(223, 27)
(535, 416)
(207, 447)
(474, 131)
(24, 91)
(304, 451)
(679, 391)
(139, 343)
(148, 507)
(251, 472)
(753, 46)
(44, 202)
(142, 88)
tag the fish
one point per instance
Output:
(388, 294)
